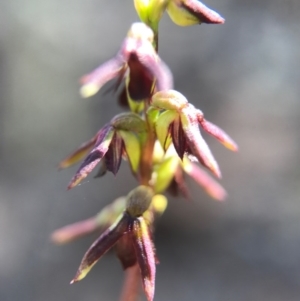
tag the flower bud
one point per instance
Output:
(129, 122)
(139, 200)
(169, 100)
(150, 11)
(140, 31)
(159, 203)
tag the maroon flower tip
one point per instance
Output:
(213, 188)
(202, 12)
(145, 255)
(217, 132)
(106, 240)
(74, 231)
(87, 166)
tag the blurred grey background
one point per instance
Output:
(244, 75)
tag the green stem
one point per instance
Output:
(147, 152)
(146, 166)
(156, 40)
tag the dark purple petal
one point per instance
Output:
(178, 185)
(113, 156)
(156, 67)
(102, 146)
(145, 255)
(122, 98)
(202, 12)
(178, 137)
(173, 188)
(163, 126)
(101, 170)
(140, 80)
(86, 167)
(101, 246)
(181, 184)
(125, 251)
(103, 133)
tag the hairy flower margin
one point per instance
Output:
(160, 137)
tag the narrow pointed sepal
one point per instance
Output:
(78, 154)
(197, 144)
(102, 145)
(74, 231)
(211, 187)
(202, 12)
(144, 250)
(86, 167)
(218, 133)
(104, 219)
(181, 185)
(107, 216)
(178, 186)
(102, 245)
(191, 12)
(92, 82)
